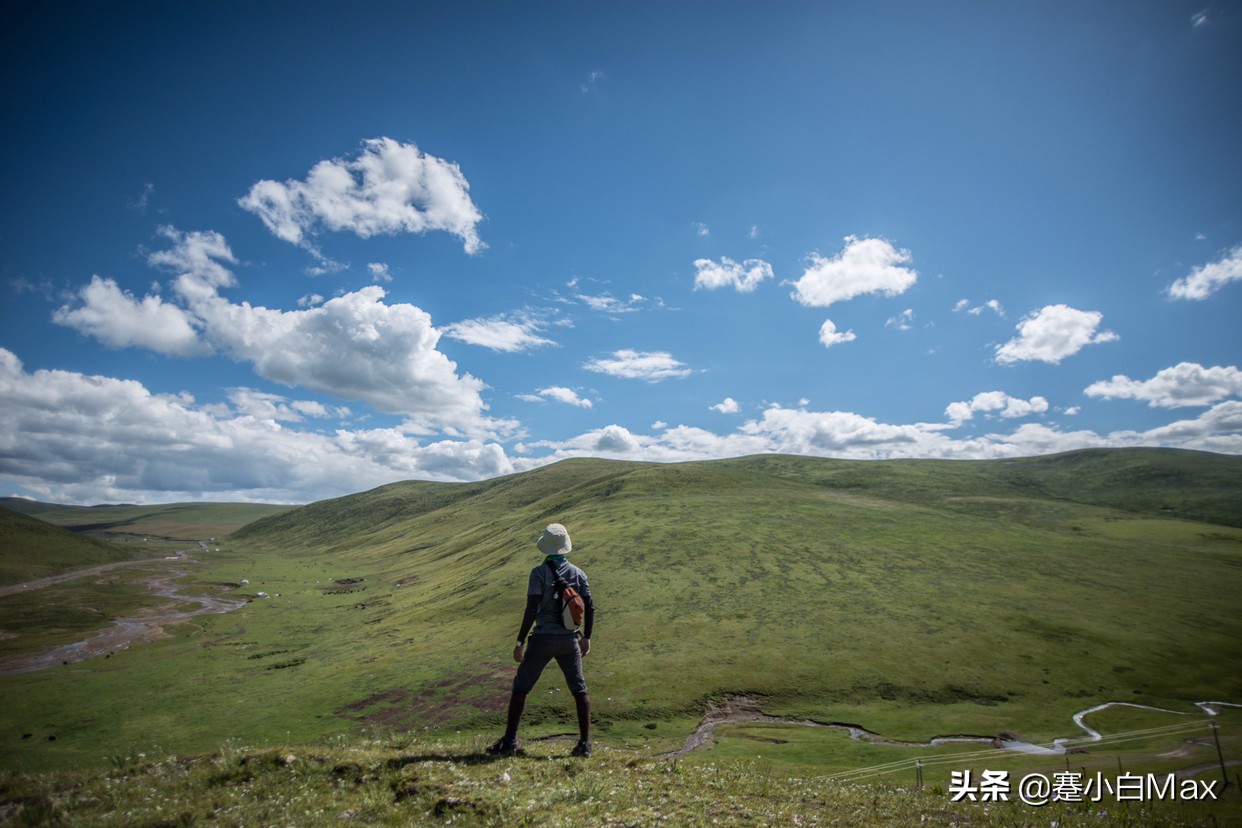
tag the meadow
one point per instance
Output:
(913, 599)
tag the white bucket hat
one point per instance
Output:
(555, 540)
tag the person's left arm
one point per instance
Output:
(588, 618)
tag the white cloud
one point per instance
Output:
(591, 84)
(72, 437)
(726, 406)
(1053, 333)
(1185, 384)
(379, 272)
(992, 305)
(1205, 280)
(651, 366)
(744, 277)
(198, 258)
(607, 303)
(265, 406)
(388, 188)
(829, 336)
(562, 395)
(995, 402)
(852, 436)
(118, 320)
(754, 232)
(1218, 429)
(354, 347)
(510, 334)
(863, 266)
(701, 229)
(903, 321)
(1198, 19)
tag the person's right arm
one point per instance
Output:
(528, 620)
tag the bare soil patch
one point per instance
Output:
(460, 696)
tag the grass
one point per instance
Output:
(64, 613)
(34, 548)
(400, 780)
(918, 599)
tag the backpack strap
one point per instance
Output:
(558, 583)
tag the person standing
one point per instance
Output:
(551, 639)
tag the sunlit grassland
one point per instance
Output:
(914, 599)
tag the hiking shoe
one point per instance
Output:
(503, 747)
(582, 749)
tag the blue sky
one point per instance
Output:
(286, 251)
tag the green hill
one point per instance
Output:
(916, 598)
(34, 548)
(174, 522)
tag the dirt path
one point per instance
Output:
(40, 583)
(124, 631)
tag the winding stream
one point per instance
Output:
(738, 709)
(124, 631)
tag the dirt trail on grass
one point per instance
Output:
(124, 631)
(40, 583)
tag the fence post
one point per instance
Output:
(918, 772)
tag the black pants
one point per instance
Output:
(543, 648)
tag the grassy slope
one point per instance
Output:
(918, 598)
(403, 781)
(34, 548)
(178, 522)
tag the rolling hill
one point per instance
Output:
(918, 598)
(34, 548)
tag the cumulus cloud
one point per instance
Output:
(743, 278)
(651, 366)
(995, 402)
(119, 320)
(829, 335)
(1053, 333)
(1185, 384)
(1205, 280)
(73, 437)
(853, 436)
(510, 334)
(354, 347)
(266, 406)
(389, 188)
(863, 266)
(379, 272)
(726, 406)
